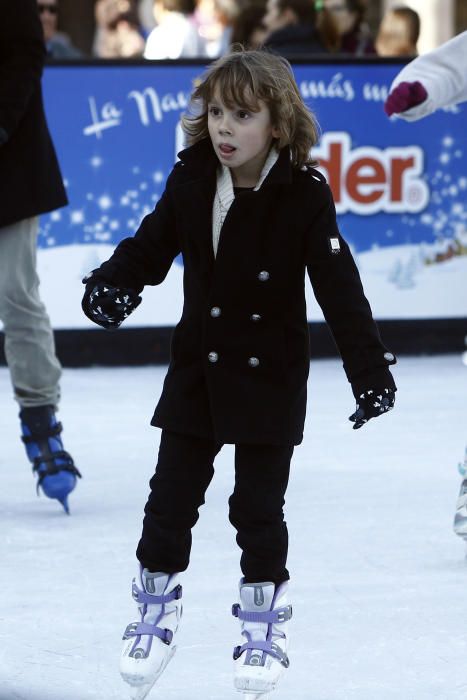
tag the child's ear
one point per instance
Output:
(276, 134)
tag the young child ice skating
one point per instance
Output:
(250, 216)
(432, 81)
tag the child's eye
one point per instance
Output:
(214, 111)
(243, 114)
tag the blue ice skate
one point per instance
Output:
(53, 466)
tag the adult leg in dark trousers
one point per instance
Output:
(256, 510)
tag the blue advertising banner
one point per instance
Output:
(400, 189)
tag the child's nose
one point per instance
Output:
(225, 126)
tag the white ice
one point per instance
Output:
(379, 580)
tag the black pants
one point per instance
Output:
(184, 472)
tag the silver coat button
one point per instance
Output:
(255, 317)
(263, 276)
(215, 312)
(253, 361)
(213, 357)
(388, 356)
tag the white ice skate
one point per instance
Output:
(460, 518)
(149, 644)
(262, 659)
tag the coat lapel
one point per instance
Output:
(194, 200)
(250, 220)
(246, 227)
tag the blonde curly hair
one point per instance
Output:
(245, 78)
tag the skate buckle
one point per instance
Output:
(178, 590)
(235, 609)
(168, 636)
(280, 655)
(130, 630)
(284, 614)
(237, 653)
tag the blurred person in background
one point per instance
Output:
(398, 33)
(248, 27)
(354, 33)
(226, 12)
(176, 34)
(58, 45)
(118, 32)
(31, 185)
(146, 16)
(209, 26)
(299, 27)
(214, 20)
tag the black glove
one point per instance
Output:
(372, 403)
(106, 305)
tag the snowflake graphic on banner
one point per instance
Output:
(445, 222)
(103, 217)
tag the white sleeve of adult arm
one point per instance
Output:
(443, 73)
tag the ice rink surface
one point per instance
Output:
(379, 580)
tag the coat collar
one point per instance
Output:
(225, 186)
(202, 159)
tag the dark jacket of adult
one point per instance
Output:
(240, 353)
(296, 40)
(357, 43)
(61, 48)
(30, 179)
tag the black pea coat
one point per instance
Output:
(240, 353)
(30, 179)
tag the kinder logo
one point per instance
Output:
(367, 180)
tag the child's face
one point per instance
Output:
(241, 138)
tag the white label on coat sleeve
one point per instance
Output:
(335, 245)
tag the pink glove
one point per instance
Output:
(405, 96)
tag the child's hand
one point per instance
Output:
(106, 305)
(404, 97)
(372, 403)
